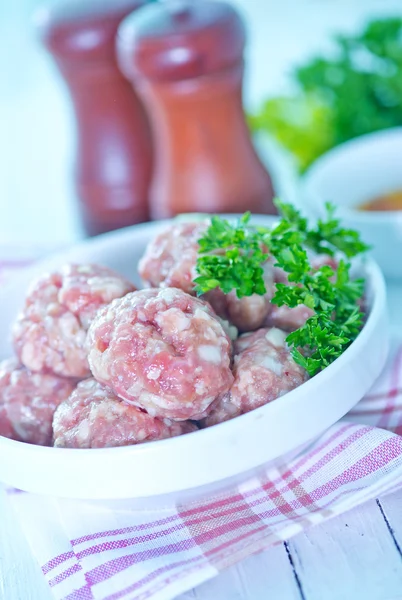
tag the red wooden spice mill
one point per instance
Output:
(185, 59)
(113, 163)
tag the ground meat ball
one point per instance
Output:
(163, 351)
(247, 313)
(263, 369)
(283, 317)
(50, 333)
(272, 336)
(288, 319)
(28, 401)
(6, 428)
(170, 258)
(323, 259)
(94, 417)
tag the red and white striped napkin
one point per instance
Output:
(113, 551)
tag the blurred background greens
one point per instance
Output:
(355, 90)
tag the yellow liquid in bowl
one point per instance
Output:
(390, 201)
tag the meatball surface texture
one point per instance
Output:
(288, 319)
(94, 417)
(170, 258)
(50, 332)
(247, 313)
(161, 350)
(28, 401)
(263, 370)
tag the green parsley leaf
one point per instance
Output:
(231, 256)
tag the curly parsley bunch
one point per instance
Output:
(231, 257)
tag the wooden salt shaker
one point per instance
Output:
(113, 164)
(185, 58)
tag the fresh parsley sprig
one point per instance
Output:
(337, 318)
(231, 256)
(327, 237)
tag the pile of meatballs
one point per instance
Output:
(99, 363)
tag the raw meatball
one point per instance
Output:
(163, 351)
(323, 259)
(288, 319)
(49, 334)
(28, 401)
(94, 417)
(291, 319)
(247, 313)
(263, 370)
(170, 258)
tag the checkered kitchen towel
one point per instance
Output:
(109, 551)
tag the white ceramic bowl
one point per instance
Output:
(199, 463)
(359, 171)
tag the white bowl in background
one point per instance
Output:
(359, 171)
(200, 463)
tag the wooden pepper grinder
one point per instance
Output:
(113, 166)
(185, 58)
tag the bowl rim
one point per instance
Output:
(374, 278)
(315, 199)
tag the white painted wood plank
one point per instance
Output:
(20, 575)
(190, 595)
(267, 575)
(391, 507)
(322, 559)
(351, 557)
